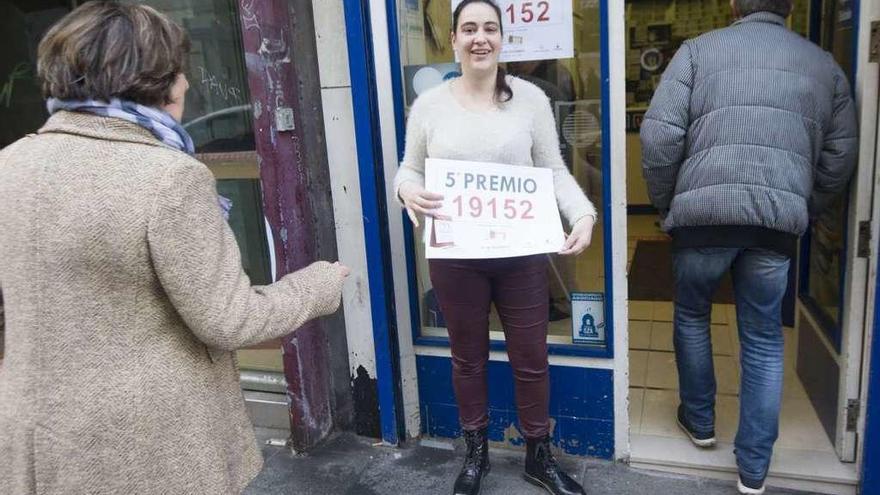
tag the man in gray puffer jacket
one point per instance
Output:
(752, 128)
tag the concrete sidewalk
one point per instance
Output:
(351, 465)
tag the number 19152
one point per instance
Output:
(511, 209)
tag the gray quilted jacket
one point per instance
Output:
(751, 125)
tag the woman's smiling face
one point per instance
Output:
(477, 38)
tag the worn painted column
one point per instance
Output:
(266, 37)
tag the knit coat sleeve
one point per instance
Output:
(570, 198)
(839, 154)
(664, 129)
(198, 264)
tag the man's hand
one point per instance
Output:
(580, 237)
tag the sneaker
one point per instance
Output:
(702, 440)
(749, 487)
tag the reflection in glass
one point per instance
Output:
(246, 220)
(574, 88)
(826, 248)
(22, 25)
(656, 29)
(218, 114)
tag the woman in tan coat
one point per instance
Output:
(123, 288)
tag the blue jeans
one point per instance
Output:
(760, 278)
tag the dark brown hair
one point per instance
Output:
(503, 92)
(105, 50)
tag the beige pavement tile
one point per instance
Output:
(727, 375)
(638, 368)
(636, 409)
(640, 310)
(726, 418)
(722, 342)
(659, 413)
(639, 334)
(663, 311)
(661, 336)
(792, 385)
(800, 427)
(661, 371)
(720, 314)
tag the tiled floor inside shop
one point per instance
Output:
(656, 438)
(654, 380)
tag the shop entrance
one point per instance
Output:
(824, 310)
(618, 399)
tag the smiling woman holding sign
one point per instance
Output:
(487, 116)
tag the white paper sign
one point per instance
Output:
(535, 30)
(496, 211)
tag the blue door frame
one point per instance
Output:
(377, 241)
(871, 440)
(415, 311)
(375, 209)
(584, 415)
(372, 184)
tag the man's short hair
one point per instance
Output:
(746, 7)
(105, 49)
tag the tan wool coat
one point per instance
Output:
(124, 297)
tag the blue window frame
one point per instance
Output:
(606, 351)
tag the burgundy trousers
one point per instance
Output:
(518, 287)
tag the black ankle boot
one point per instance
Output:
(476, 463)
(542, 469)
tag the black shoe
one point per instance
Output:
(542, 469)
(476, 463)
(702, 440)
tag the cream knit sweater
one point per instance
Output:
(521, 132)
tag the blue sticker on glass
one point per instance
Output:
(588, 318)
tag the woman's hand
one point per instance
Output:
(417, 199)
(580, 237)
(342, 269)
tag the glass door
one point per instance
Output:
(833, 275)
(585, 399)
(575, 88)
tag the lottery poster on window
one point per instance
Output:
(588, 318)
(494, 211)
(535, 29)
